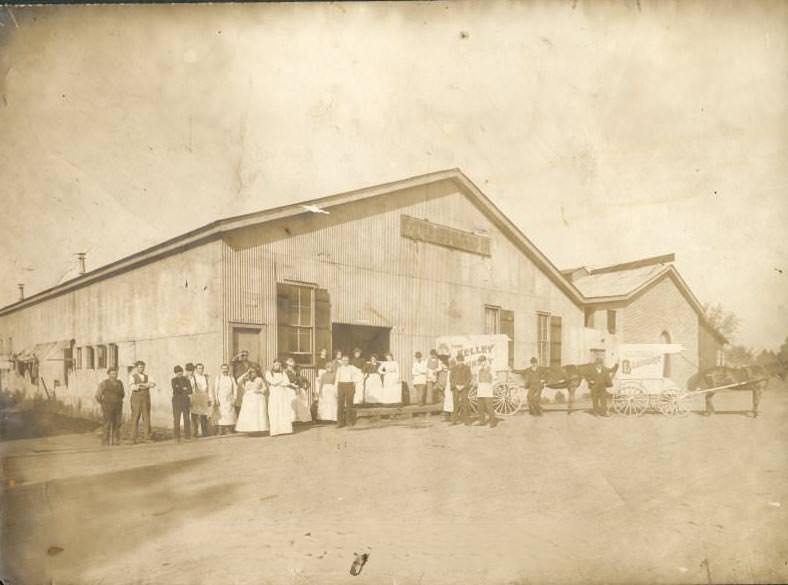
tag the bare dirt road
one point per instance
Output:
(553, 500)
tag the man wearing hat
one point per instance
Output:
(461, 378)
(534, 383)
(181, 393)
(110, 396)
(599, 381)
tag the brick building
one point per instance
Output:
(647, 301)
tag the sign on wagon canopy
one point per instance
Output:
(644, 360)
(494, 347)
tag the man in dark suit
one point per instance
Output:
(110, 395)
(460, 378)
(599, 382)
(181, 399)
(535, 385)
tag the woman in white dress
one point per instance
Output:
(223, 395)
(281, 400)
(253, 416)
(392, 385)
(327, 389)
(373, 383)
(300, 385)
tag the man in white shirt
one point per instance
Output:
(347, 376)
(419, 372)
(140, 386)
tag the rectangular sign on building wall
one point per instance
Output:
(442, 235)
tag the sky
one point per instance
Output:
(608, 131)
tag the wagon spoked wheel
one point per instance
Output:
(671, 403)
(473, 400)
(631, 400)
(632, 403)
(507, 400)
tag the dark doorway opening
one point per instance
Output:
(345, 337)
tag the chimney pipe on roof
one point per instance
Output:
(81, 258)
(21, 287)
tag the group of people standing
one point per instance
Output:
(244, 398)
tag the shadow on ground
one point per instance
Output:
(56, 530)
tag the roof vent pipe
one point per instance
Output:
(81, 258)
(21, 287)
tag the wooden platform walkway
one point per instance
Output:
(397, 410)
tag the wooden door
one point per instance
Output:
(251, 339)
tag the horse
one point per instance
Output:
(752, 378)
(568, 377)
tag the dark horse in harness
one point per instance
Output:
(569, 378)
(749, 378)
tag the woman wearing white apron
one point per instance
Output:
(223, 396)
(359, 362)
(253, 416)
(484, 393)
(373, 383)
(327, 389)
(392, 385)
(299, 385)
(281, 400)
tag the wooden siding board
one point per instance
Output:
(377, 277)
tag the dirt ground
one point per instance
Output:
(560, 499)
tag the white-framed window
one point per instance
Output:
(543, 338)
(492, 320)
(549, 339)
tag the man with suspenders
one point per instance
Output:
(140, 401)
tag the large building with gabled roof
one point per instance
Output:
(386, 268)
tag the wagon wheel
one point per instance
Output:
(507, 399)
(631, 399)
(473, 400)
(671, 403)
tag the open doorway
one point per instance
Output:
(345, 337)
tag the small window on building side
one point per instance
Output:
(589, 318)
(555, 341)
(611, 321)
(90, 361)
(492, 320)
(543, 338)
(112, 356)
(101, 357)
(78, 359)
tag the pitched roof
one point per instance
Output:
(216, 228)
(623, 282)
(613, 284)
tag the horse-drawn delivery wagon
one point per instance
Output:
(508, 387)
(640, 384)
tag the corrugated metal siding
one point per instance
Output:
(376, 277)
